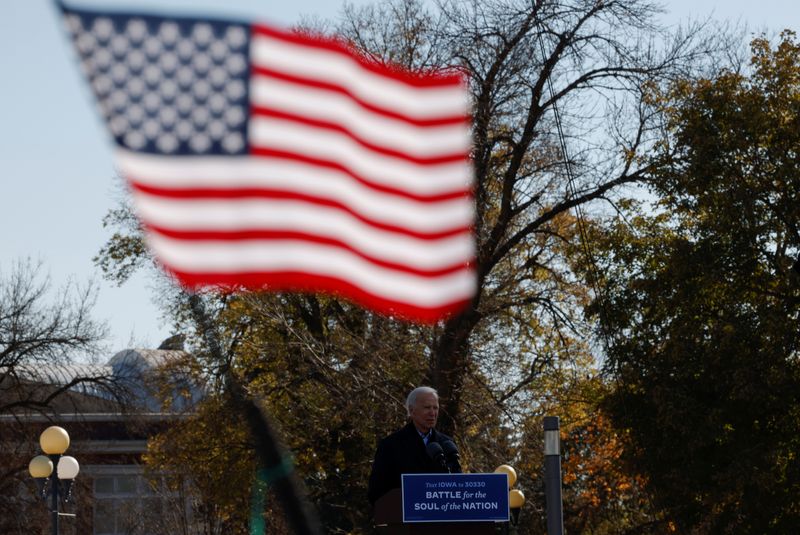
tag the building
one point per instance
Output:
(110, 411)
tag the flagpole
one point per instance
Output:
(271, 454)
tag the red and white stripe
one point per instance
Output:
(358, 182)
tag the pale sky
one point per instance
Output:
(57, 178)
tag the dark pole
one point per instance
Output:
(271, 454)
(552, 476)
(54, 493)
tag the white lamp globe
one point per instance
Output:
(68, 467)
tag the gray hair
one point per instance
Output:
(411, 400)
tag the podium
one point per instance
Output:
(388, 516)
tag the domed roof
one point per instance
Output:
(142, 359)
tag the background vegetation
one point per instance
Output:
(638, 203)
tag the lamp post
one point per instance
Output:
(516, 499)
(54, 442)
(552, 476)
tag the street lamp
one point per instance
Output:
(516, 499)
(54, 442)
(509, 471)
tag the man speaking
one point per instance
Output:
(417, 448)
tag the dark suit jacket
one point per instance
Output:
(402, 452)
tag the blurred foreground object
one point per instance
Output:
(261, 158)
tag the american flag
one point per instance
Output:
(262, 158)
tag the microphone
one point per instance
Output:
(451, 455)
(436, 453)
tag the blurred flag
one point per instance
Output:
(260, 158)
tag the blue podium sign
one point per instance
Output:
(455, 498)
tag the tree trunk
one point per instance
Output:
(449, 366)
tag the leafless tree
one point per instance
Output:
(40, 339)
(561, 120)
